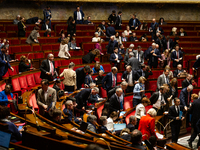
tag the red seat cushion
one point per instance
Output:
(99, 111)
(107, 67)
(26, 48)
(11, 73)
(37, 77)
(119, 77)
(103, 93)
(23, 82)
(16, 85)
(38, 55)
(30, 80)
(36, 47)
(65, 62)
(153, 85)
(46, 47)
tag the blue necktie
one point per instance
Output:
(134, 22)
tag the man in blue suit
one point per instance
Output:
(78, 15)
(69, 112)
(110, 80)
(152, 56)
(111, 45)
(110, 31)
(177, 56)
(116, 57)
(134, 23)
(185, 96)
(47, 15)
(4, 63)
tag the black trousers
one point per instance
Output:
(136, 101)
(195, 132)
(69, 88)
(129, 89)
(175, 129)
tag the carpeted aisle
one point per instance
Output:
(183, 141)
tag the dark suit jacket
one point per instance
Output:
(46, 68)
(24, 67)
(114, 104)
(195, 111)
(99, 80)
(113, 57)
(89, 58)
(88, 80)
(130, 126)
(172, 114)
(80, 76)
(133, 38)
(44, 26)
(75, 15)
(175, 94)
(3, 65)
(176, 72)
(121, 50)
(126, 57)
(170, 44)
(102, 129)
(134, 63)
(103, 27)
(197, 63)
(107, 81)
(173, 57)
(122, 39)
(93, 98)
(112, 18)
(134, 76)
(112, 91)
(137, 23)
(21, 30)
(71, 29)
(147, 74)
(184, 97)
(32, 20)
(82, 97)
(70, 115)
(185, 83)
(150, 56)
(152, 26)
(118, 22)
(111, 46)
(110, 31)
(154, 97)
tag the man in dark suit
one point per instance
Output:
(126, 56)
(153, 24)
(116, 103)
(46, 26)
(123, 86)
(132, 123)
(130, 77)
(83, 96)
(161, 41)
(197, 63)
(112, 17)
(78, 16)
(185, 96)
(198, 131)
(174, 114)
(178, 71)
(169, 43)
(110, 31)
(195, 111)
(102, 25)
(176, 56)
(88, 21)
(141, 72)
(111, 45)
(21, 28)
(48, 70)
(187, 81)
(47, 14)
(134, 23)
(139, 54)
(124, 38)
(116, 57)
(110, 80)
(121, 49)
(152, 56)
(80, 75)
(158, 100)
(133, 62)
(119, 21)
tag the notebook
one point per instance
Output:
(118, 127)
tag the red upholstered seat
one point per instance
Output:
(23, 82)
(11, 73)
(55, 53)
(198, 82)
(107, 67)
(11, 34)
(77, 53)
(38, 55)
(36, 47)
(148, 95)
(156, 74)
(15, 49)
(196, 91)
(3, 34)
(99, 111)
(65, 62)
(76, 61)
(46, 47)
(57, 63)
(16, 85)
(13, 41)
(103, 93)
(26, 48)
(119, 77)
(55, 46)
(23, 40)
(42, 40)
(33, 101)
(180, 82)
(3, 86)
(153, 85)
(11, 27)
(30, 80)
(6, 75)
(127, 117)
(37, 77)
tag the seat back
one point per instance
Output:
(103, 93)
(30, 80)
(16, 85)
(23, 82)
(37, 77)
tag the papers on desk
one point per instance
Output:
(78, 48)
(160, 136)
(122, 113)
(118, 127)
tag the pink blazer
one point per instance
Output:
(163, 58)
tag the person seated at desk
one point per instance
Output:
(33, 37)
(97, 67)
(136, 139)
(110, 121)
(23, 66)
(56, 86)
(91, 120)
(96, 37)
(140, 109)
(72, 44)
(133, 37)
(153, 140)
(132, 123)
(94, 98)
(47, 33)
(61, 38)
(16, 136)
(147, 124)
(103, 123)
(69, 108)
(64, 49)
(88, 79)
(178, 71)
(125, 134)
(7, 99)
(56, 116)
(121, 49)
(116, 57)
(99, 78)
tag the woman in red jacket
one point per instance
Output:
(147, 124)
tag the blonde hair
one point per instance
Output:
(65, 41)
(152, 112)
(194, 96)
(145, 100)
(22, 58)
(127, 130)
(166, 52)
(142, 78)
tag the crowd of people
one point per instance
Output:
(141, 126)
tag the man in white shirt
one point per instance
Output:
(46, 99)
(78, 15)
(163, 79)
(139, 54)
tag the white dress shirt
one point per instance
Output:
(130, 79)
(45, 94)
(110, 124)
(79, 16)
(158, 102)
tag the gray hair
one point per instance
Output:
(71, 64)
(49, 55)
(68, 102)
(91, 118)
(124, 83)
(153, 44)
(131, 54)
(119, 90)
(96, 89)
(113, 69)
(132, 118)
(190, 87)
(92, 84)
(152, 112)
